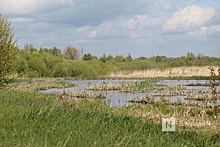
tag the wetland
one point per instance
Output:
(62, 97)
(125, 92)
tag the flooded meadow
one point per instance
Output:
(118, 93)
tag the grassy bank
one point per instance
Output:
(42, 84)
(32, 119)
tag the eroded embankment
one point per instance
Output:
(168, 72)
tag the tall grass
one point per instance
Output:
(31, 119)
(168, 72)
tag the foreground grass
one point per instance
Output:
(32, 119)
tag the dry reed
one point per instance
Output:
(169, 72)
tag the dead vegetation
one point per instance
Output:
(169, 72)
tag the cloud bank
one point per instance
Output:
(141, 27)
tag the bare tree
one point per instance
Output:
(72, 53)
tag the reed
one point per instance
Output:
(172, 73)
(178, 90)
(40, 85)
(132, 87)
(70, 95)
(204, 102)
(214, 91)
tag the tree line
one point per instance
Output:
(31, 62)
(52, 62)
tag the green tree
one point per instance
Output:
(30, 47)
(119, 58)
(103, 58)
(56, 51)
(22, 65)
(128, 58)
(88, 57)
(53, 51)
(190, 56)
(8, 51)
(61, 69)
(37, 65)
(26, 54)
(109, 58)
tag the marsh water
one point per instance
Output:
(118, 99)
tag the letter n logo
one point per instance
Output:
(168, 124)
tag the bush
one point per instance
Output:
(8, 51)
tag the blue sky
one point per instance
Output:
(139, 27)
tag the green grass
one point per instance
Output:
(31, 119)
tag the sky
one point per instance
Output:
(142, 28)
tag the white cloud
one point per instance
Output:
(100, 24)
(137, 22)
(93, 34)
(135, 35)
(18, 7)
(198, 32)
(21, 20)
(215, 28)
(188, 18)
(212, 31)
(83, 29)
(67, 1)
